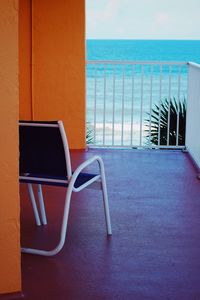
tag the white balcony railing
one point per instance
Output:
(121, 96)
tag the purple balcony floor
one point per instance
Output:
(154, 252)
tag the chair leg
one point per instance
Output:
(33, 202)
(62, 233)
(106, 208)
(42, 207)
(66, 215)
(105, 198)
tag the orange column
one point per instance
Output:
(58, 60)
(10, 276)
(25, 66)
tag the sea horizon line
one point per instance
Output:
(142, 39)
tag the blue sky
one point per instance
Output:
(143, 19)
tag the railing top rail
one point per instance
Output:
(116, 62)
(193, 64)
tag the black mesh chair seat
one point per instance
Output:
(56, 180)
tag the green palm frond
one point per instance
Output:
(89, 135)
(169, 110)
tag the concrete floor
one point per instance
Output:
(154, 252)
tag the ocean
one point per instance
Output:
(119, 97)
(143, 50)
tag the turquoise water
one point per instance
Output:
(162, 50)
(125, 98)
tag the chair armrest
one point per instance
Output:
(82, 166)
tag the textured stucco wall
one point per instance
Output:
(58, 65)
(25, 109)
(10, 276)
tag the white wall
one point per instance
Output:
(193, 113)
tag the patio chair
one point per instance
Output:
(45, 160)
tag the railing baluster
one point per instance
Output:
(95, 101)
(150, 105)
(104, 105)
(169, 103)
(141, 104)
(160, 101)
(178, 107)
(122, 135)
(113, 115)
(132, 105)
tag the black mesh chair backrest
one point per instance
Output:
(41, 150)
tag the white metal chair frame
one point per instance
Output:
(70, 182)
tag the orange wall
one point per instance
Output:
(25, 111)
(10, 276)
(58, 65)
